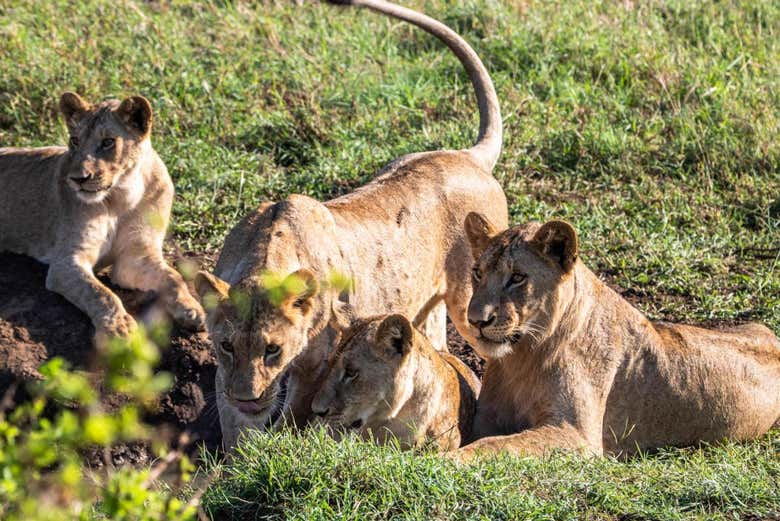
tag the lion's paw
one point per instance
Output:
(188, 313)
(462, 456)
(119, 325)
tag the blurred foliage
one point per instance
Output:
(43, 474)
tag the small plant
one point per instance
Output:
(42, 471)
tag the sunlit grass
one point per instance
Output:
(283, 476)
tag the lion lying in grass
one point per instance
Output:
(400, 238)
(103, 200)
(387, 381)
(572, 365)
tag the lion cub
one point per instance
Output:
(105, 199)
(572, 365)
(386, 380)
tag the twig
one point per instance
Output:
(162, 465)
(195, 499)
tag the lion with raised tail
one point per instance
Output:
(400, 239)
(572, 365)
(104, 200)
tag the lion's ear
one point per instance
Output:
(136, 113)
(557, 241)
(72, 107)
(479, 231)
(309, 287)
(394, 336)
(211, 289)
(342, 315)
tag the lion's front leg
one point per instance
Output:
(536, 441)
(147, 270)
(77, 283)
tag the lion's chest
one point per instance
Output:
(108, 236)
(526, 397)
(98, 240)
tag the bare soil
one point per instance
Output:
(36, 325)
(464, 351)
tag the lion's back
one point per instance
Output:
(27, 202)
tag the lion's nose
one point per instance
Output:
(321, 412)
(481, 318)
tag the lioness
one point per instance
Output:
(386, 380)
(103, 200)
(572, 365)
(399, 238)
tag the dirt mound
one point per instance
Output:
(36, 324)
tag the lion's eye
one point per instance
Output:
(349, 374)
(517, 278)
(226, 346)
(272, 349)
(476, 273)
(73, 142)
(107, 143)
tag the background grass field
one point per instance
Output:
(654, 127)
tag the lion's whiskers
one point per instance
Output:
(531, 329)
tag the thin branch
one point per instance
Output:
(162, 465)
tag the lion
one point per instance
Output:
(387, 381)
(104, 200)
(399, 238)
(572, 365)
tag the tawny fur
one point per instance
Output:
(399, 238)
(387, 381)
(572, 365)
(104, 200)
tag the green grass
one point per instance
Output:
(309, 478)
(654, 127)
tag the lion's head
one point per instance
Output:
(106, 143)
(523, 282)
(370, 374)
(257, 337)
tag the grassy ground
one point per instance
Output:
(284, 477)
(654, 127)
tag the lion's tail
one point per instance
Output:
(488, 146)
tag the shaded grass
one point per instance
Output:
(283, 476)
